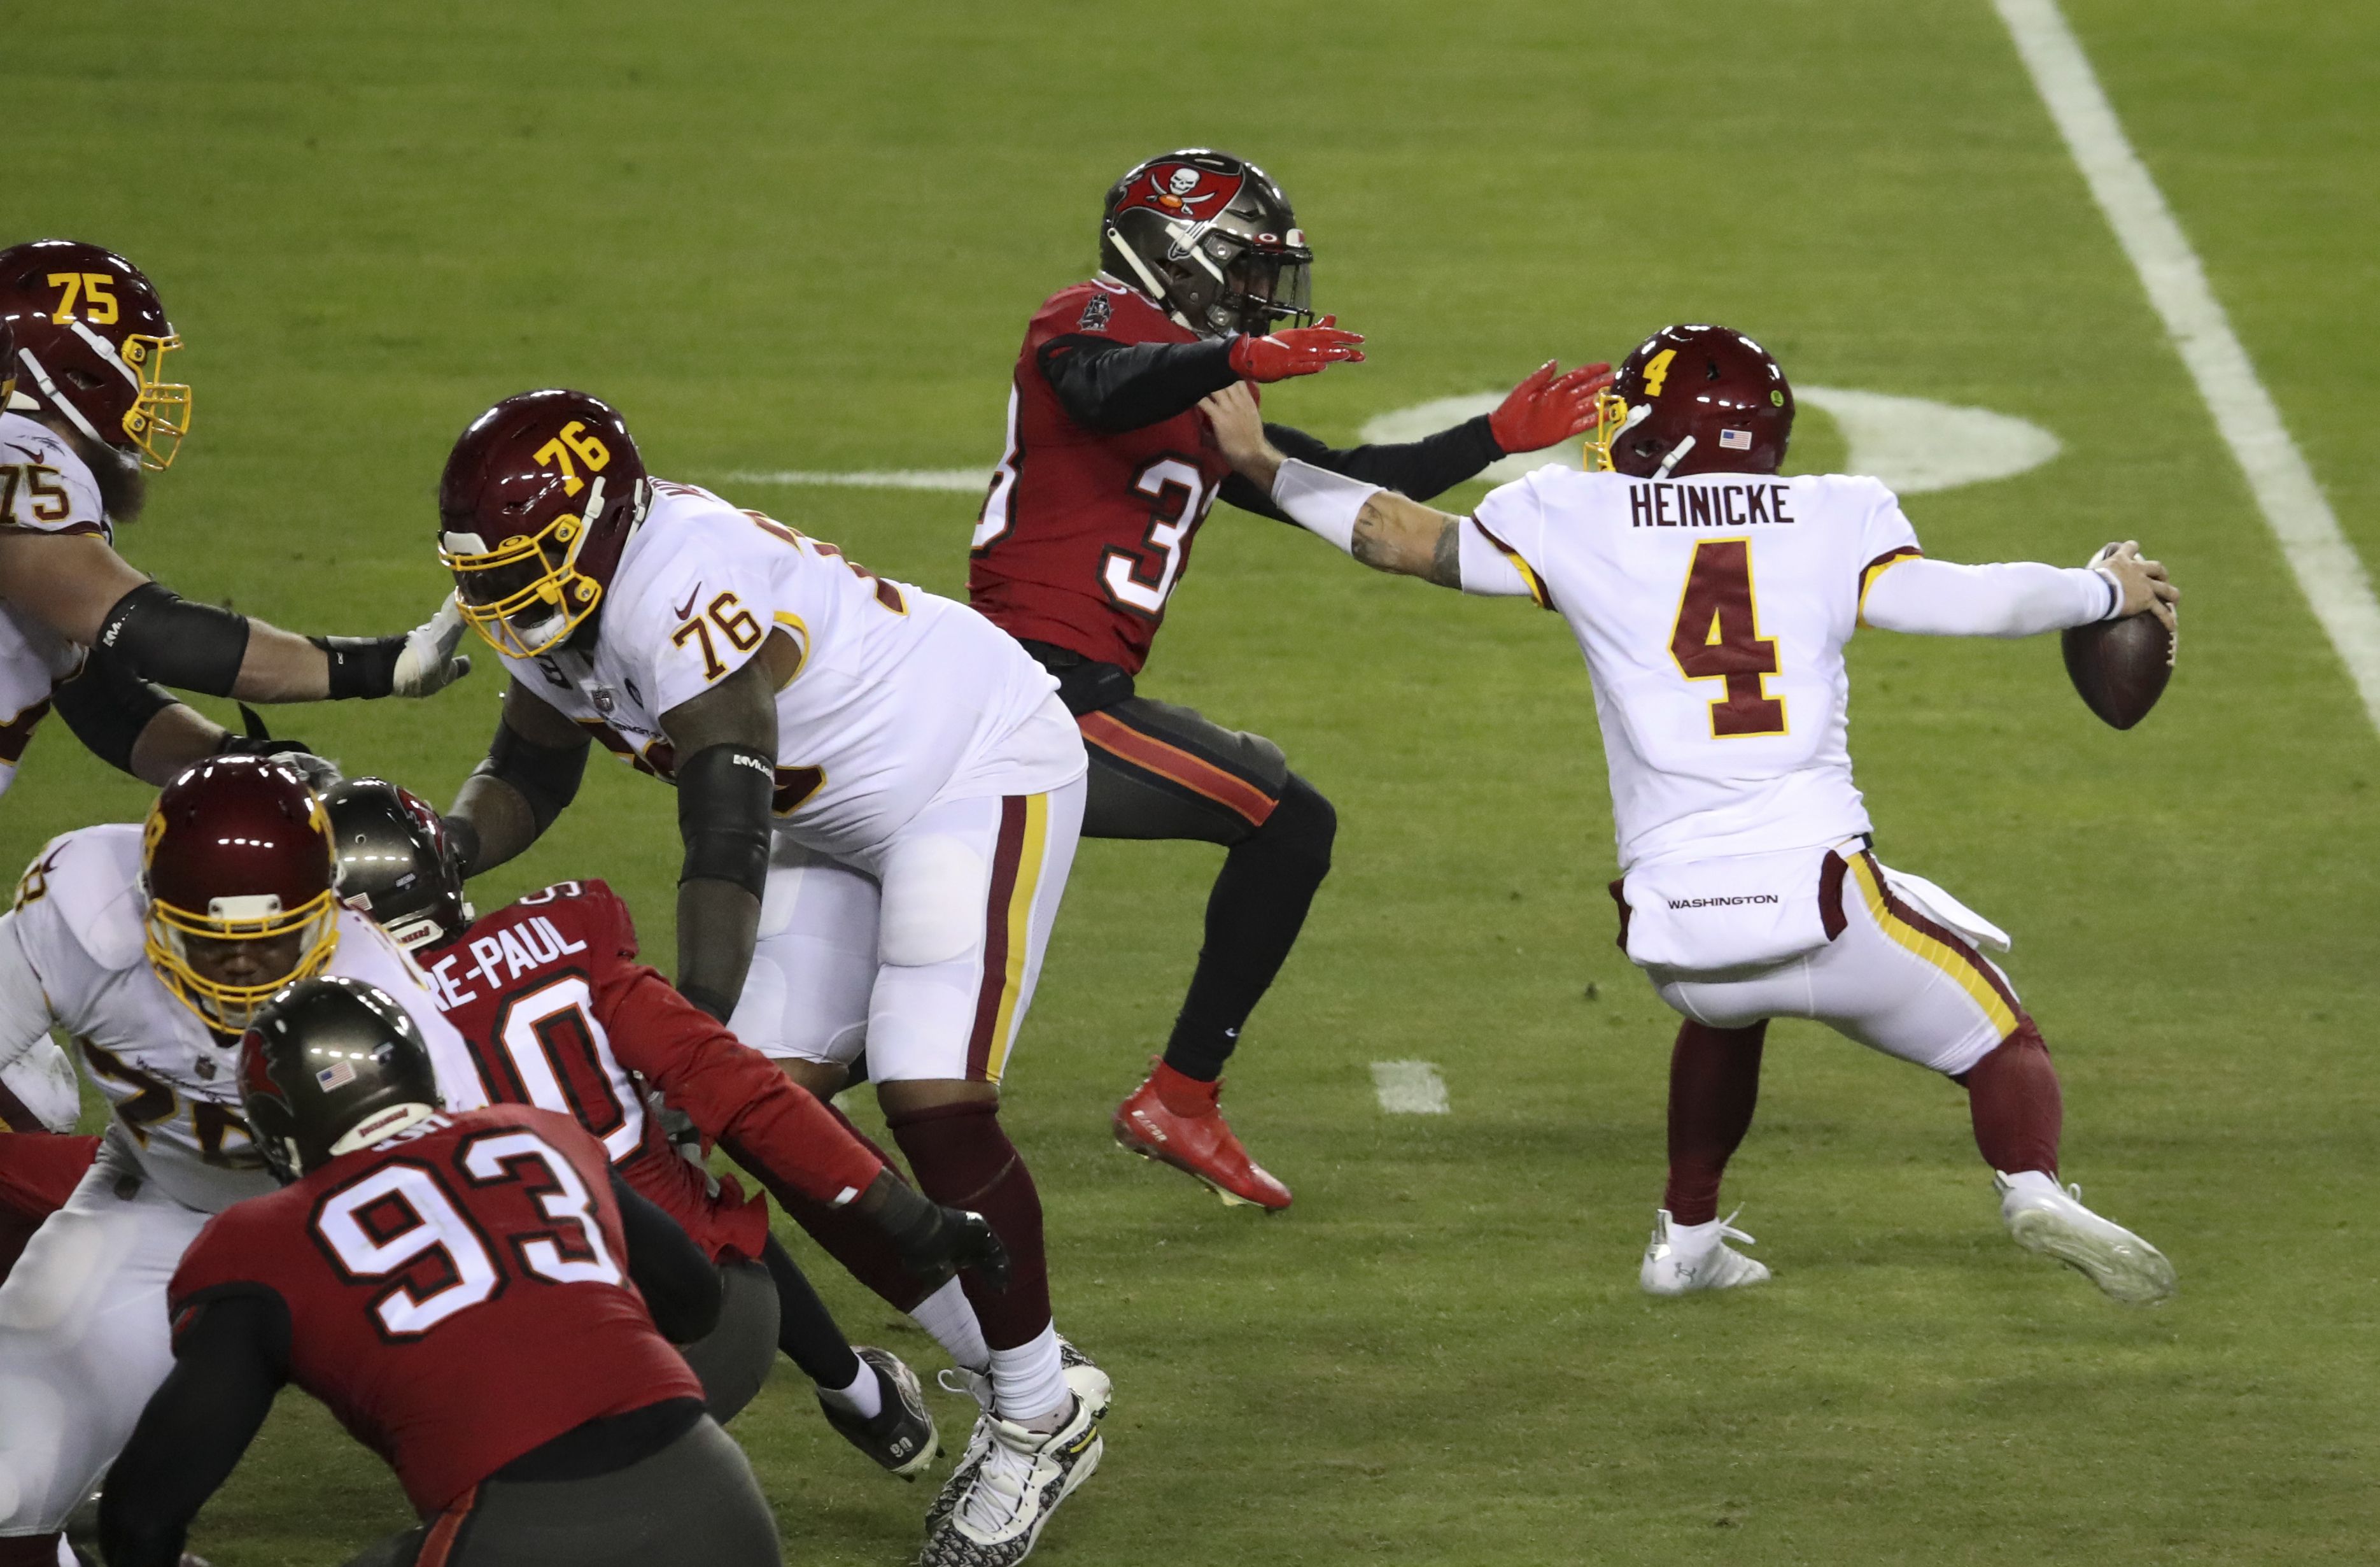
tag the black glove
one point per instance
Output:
(320, 772)
(932, 1240)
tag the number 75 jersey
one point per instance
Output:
(897, 697)
(1713, 611)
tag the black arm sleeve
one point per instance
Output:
(161, 636)
(680, 1286)
(1110, 387)
(1420, 469)
(546, 777)
(229, 1362)
(107, 706)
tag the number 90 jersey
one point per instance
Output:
(1087, 533)
(898, 697)
(1713, 612)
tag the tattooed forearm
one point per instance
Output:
(1446, 559)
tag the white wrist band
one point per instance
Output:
(2116, 589)
(1322, 502)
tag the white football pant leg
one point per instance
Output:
(971, 892)
(1894, 980)
(83, 1337)
(815, 961)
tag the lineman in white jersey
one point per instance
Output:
(1712, 600)
(878, 794)
(84, 412)
(152, 947)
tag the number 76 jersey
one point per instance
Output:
(896, 698)
(1713, 611)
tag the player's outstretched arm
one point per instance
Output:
(230, 1357)
(2015, 599)
(532, 771)
(726, 744)
(1384, 530)
(78, 587)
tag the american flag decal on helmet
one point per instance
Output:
(336, 1075)
(1735, 440)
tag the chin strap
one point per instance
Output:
(1677, 455)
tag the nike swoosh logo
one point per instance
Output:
(687, 609)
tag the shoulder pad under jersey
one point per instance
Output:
(68, 503)
(89, 882)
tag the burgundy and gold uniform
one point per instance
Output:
(559, 1013)
(483, 1252)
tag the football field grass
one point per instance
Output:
(808, 237)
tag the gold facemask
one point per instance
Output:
(225, 1006)
(160, 416)
(523, 618)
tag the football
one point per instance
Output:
(2121, 668)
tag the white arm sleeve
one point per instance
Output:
(1323, 502)
(2020, 598)
(1488, 569)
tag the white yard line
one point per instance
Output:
(972, 479)
(1410, 1087)
(2327, 568)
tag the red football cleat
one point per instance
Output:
(1174, 1120)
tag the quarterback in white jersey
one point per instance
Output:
(878, 794)
(83, 413)
(152, 947)
(1712, 599)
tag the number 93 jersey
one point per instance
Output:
(896, 698)
(71, 956)
(1713, 611)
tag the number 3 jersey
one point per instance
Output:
(1713, 611)
(1087, 532)
(899, 698)
(71, 956)
(557, 1012)
(458, 1295)
(44, 488)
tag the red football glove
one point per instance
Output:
(1302, 350)
(1547, 408)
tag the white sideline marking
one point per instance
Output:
(1914, 445)
(971, 479)
(2328, 570)
(1410, 1087)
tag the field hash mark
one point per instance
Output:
(1410, 1087)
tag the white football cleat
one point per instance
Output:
(1083, 1380)
(2055, 1224)
(1681, 1258)
(1015, 1483)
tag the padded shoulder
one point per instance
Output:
(87, 883)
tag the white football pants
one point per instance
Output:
(925, 951)
(84, 1339)
(1895, 980)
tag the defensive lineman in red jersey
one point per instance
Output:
(557, 1012)
(1109, 471)
(457, 1288)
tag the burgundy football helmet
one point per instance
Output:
(7, 363)
(538, 499)
(237, 849)
(396, 862)
(91, 344)
(1211, 238)
(1694, 399)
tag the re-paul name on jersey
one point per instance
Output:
(1659, 503)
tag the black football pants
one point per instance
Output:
(1162, 770)
(693, 1503)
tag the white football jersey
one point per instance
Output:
(44, 488)
(902, 697)
(1713, 612)
(76, 928)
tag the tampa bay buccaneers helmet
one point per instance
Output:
(331, 1065)
(236, 866)
(1694, 399)
(1211, 238)
(396, 862)
(91, 344)
(538, 499)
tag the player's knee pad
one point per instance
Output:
(1303, 826)
(56, 1278)
(933, 901)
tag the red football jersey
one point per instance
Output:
(557, 1012)
(458, 1295)
(1085, 535)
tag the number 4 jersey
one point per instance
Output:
(897, 697)
(1713, 612)
(456, 1295)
